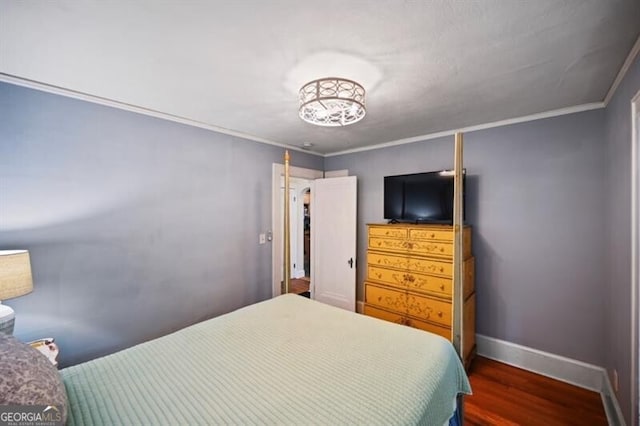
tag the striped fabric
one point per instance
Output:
(288, 360)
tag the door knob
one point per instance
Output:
(350, 262)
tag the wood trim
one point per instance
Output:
(57, 90)
(74, 94)
(568, 370)
(287, 228)
(458, 325)
(635, 252)
(578, 373)
(277, 170)
(610, 403)
(491, 125)
(336, 173)
(623, 71)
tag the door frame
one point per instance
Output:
(277, 249)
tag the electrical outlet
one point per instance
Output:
(615, 383)
(262, 238)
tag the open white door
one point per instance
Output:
(333, 239)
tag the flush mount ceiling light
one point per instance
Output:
(332, 102)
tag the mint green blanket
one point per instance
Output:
(288, 360)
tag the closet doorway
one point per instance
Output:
(300, 184)
(332, 286)
(300, 234)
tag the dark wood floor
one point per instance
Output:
(299, 285)
(505, 395)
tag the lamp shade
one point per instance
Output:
(15, 274)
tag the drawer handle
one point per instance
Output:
(442, 287)
(441, 249)
(440, 314)
(433, 235)
(379, 298)
(441, 269)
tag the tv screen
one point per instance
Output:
(420, 197)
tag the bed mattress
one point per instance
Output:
(288, 360)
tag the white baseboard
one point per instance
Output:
(578, 373)
(610, 402)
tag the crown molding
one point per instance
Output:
(523, 119)
(57, 90)
(32, 84)
(623, 71)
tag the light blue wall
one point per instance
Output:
(535, 195)
(618, 248)
(136, 226)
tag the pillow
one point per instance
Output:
(27, 377)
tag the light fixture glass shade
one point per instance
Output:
(15, 274)
(332, 101)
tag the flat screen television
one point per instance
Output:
(420, 197)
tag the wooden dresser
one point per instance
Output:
(409, 279)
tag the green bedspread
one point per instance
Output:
(288, 360)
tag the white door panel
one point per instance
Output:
(333, 237)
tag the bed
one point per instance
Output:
(288, 360)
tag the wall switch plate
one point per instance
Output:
(262, 239)
(615, 383)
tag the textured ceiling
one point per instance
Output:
(427, 66)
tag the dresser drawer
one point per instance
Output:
(388, 232)
(388, 244)
(413, 264)
(431, 234)
(444, 250)
(384, 315)
(426, 308)
(401, 319)
(394, 300)
(431, 328)
(440, 249)
(407, 280)
(388, 260)
(429, 266)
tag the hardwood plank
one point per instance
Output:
(299, 286)
(505, 395)
(560, 392)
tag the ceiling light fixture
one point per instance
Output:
(332, 101)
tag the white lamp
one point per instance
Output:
(15, 280)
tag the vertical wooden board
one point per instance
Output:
(466, 247)
(469, 277)
(458, 253)
(287, 237)
(469, 326)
